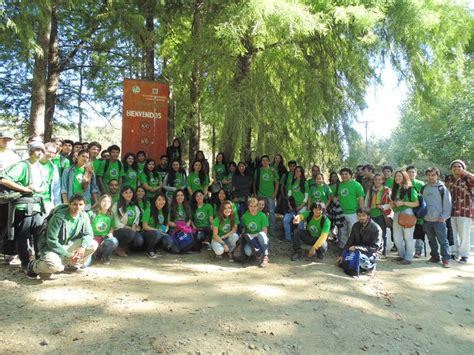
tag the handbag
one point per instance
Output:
(406, 220)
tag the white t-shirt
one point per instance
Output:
(8, 158)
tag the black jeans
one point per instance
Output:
(25, 227)
(380, 220)
(127, 237)
(304, 236)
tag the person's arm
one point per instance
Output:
(15, 186)
(100, 182)
(375, 240)
(52, 237)
(275, 192)
(447, 205)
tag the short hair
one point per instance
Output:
(346, 170)
(364, 210)
(410, 167)
(369, 167)
(292, 162)
(251, 200)
(77, 197)
(77, 143)
(264, 156)
(318, 204)
(432, 169)
(141, 152)
(68, 141)
(113, 147)
(94, 144)
(387, 167)
(163, 156)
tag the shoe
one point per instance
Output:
(45, 277)
(72, 268)
(446, 264)
(218, 256)
(120, 252)
(417, 255)
(231, 259)
(397, 259)
(105, 261)
(319, 256)
(394, 249)
(453, 257)
(433, 259)
(296, 257)
(151, 254)
(15, 260)
(29, 271)
(404, 262)
(264, 262)
(464, 259)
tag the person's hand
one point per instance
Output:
(311, 252)
(78, 255)
(442, 220)
(338, 260)
(226, 248)
(352, 248)
(399, 203)
(296, 219)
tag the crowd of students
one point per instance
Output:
(97, 205)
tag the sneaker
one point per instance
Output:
(45, 277)
(433, 259)
(29, 271)
(404, 262)
(120, 252)
(105, 261)
(464, 259)
(15, 260)
(417, 255)
(394, 249)
(72, 268)
(446, 264)
(265, 261)
(151, 254)
(319, 256)
(397, 259)
(231, 259)
(296, 257)
(453, 257)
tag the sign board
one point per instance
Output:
(145, 117)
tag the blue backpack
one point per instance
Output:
(350, 262)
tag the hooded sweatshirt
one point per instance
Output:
(437, 207)
(63, 229)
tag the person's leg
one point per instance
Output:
(441, 235)
(217, 247)
(124, 236)
(22, 226)
(409, 243)
(232, 241)
(463, 225)
(76, 244)
(108, 246)
(287, 221)
(151, 239)
(429, 229)
(49, 263)
(419, 236)
(380, 220)
(301, 224)
(398, 236)
(343, 236)
(296, 241)
(263, 241)
(271, 209)
(322, 250)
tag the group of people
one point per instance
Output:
(70, 204)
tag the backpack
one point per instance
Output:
(7, 195)
(181, 240)
(107, 164)
(238, 254)
(350, 262)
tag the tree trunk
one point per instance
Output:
(194, 114)
(52, 81)
(79, 103)
(237, 120)
(38, 87)
(150, 47)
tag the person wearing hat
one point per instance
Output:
(460, 185)
(29, 178)
(7, 156)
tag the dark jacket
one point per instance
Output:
(242, 185)
(366, 239)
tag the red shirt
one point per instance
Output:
(460, 189)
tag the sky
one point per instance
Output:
(383, 102)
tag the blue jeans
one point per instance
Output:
(127, 237)
(288, 222)
(151, 239)
(436, 233)
(368, 262)
(106, 248)
(305, 237)
(262, 240)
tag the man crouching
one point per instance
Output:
(67, 242)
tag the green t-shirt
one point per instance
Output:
(113, 172)
(266, 183)
(285, 181)
(96, 164)
(19, 173)
(219, 171)
(130, 178)
(295, 191)
(154, 180)
(202, 214)
(141, 166)
(418, 184)
(144, 205)
(49, 174)
(234, 209)
(115, 197)
(131, 214)
(71, 225)
(320, 193)
(101, 223)
(78, 174)
(179, 183)
(62, 163)
(375, 211)
(389, 183)
(406, 198)
(180, 214)
(314, 225)
(222, 228)
(254, 224)
(193, 182)
(148, 218)
(348, 194)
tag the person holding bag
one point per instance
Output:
(404, 198)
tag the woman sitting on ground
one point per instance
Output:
(224, 231)
(203, 217)
(102, 219)
(255, 224)
(155, 224)
(179, 210)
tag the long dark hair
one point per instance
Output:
(122, 204)
(281, 168)
(302, 179)
(232, 163)
(154, 209)
(172, 173)
(221, 213)
(152, 173)
(125, 164)
(202, 173)
(174, 206)
(215, 198)
(193, 200)
(224, 162)
(404, 188)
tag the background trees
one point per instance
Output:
(246, 77)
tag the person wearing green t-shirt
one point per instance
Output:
(224, 231)
(203, 217)
(318, 226)
(110, 169)
(319, 191)
(102, 221)
(350, 195)
(174, 180)
(387, 172)
(419, 233)
(155, 224)
(141, 159)
(266, 185)
(180, 210)
(130, 171)
(219, 169)
(29, 178)
(68, 241)
(197, 179)
(222, 196)
(227, 181)
(114, 190)
(255, 224)
(151, 180)
(298, 192)
(51, 195)
(404, 198)
(127, 222)
(80, 179)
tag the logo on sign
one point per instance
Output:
(154, 91)
(197, 181)
(131, 213)
(317, 194)
(136, 89)
(132, 175)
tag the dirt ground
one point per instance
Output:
(197, 304)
